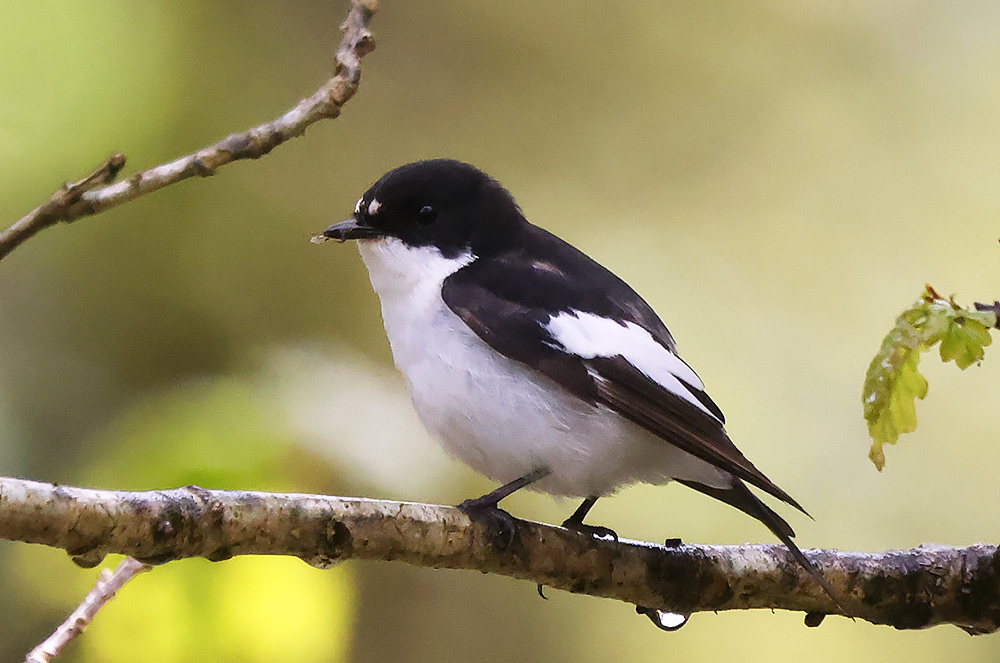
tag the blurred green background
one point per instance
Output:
(778, 179)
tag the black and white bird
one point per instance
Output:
(532, 363)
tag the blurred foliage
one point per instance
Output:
(714, 154)
(893, 382)
(209, 433)
(246, 609)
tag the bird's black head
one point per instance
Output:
(443, 203)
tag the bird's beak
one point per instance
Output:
(351, 229)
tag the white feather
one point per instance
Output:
(587, 335)
(499, 416)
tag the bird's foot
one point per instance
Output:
(499, 524)
(596, 531)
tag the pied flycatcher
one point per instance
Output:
(532, 363)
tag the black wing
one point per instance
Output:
(492, 298)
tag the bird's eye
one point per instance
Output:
(427, 214)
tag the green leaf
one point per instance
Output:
(893, 382)
(965, 342)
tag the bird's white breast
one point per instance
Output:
(499, 416)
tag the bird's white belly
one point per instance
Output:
(499, 416)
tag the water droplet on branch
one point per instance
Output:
(664, 619)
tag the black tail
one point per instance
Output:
(740, 497)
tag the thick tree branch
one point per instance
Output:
(906, 589)
(94, 194)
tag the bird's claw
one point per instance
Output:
(499, 524)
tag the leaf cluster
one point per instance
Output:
(893, 382)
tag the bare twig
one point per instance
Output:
(54, 209)
(84, 198)
(993, 308)
(906, 589)
(108, 584)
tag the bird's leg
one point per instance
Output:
(575, 522)
(490, 500)
(499, 523)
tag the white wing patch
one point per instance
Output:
(587, 335)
